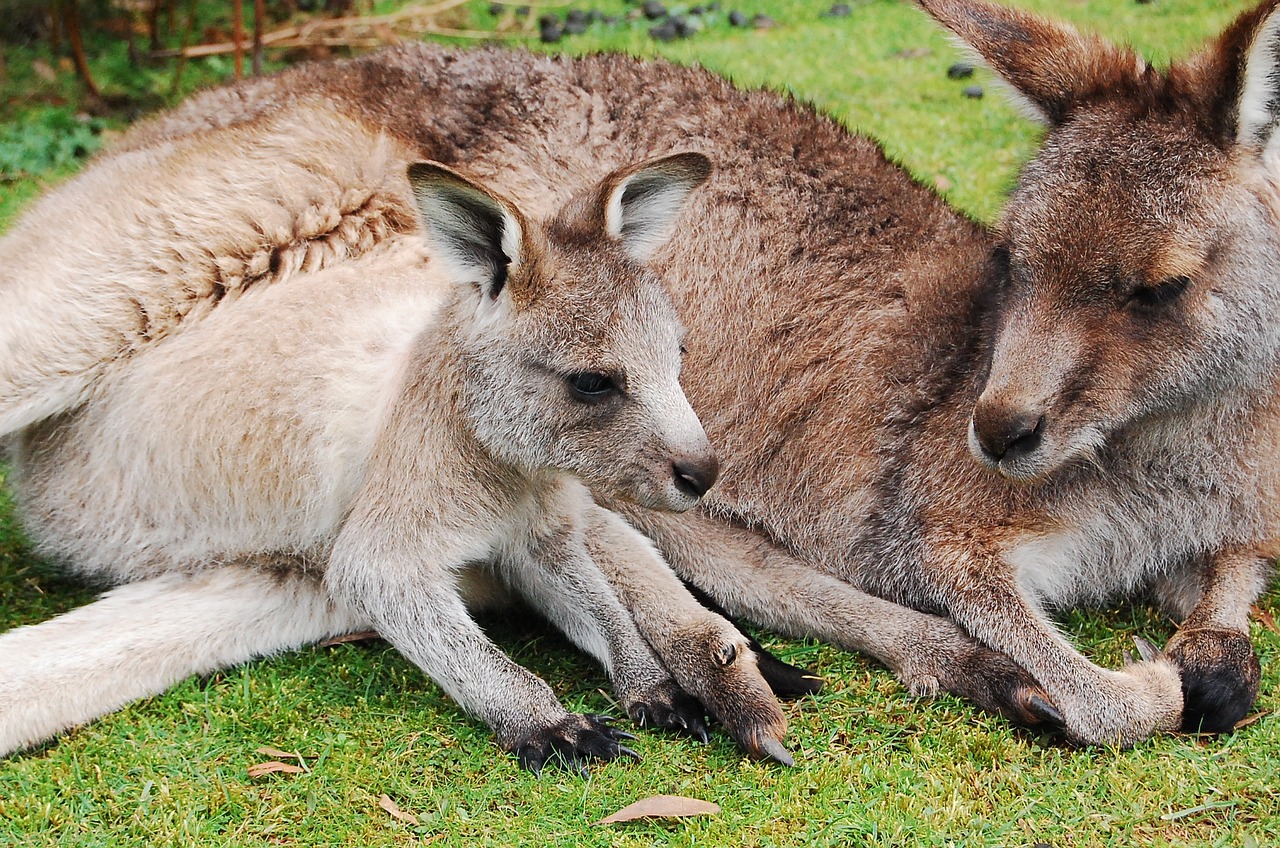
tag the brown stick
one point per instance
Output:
(71, 15)
(349, 32)
(237, 35)
(55, 29)
(153, 24)
(259, 15)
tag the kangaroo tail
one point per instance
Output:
(141, 638)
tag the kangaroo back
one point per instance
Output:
(144, 242)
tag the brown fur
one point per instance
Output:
(847, 329)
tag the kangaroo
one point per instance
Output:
(931, 435)
(382, 424)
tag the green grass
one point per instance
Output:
(876, 767)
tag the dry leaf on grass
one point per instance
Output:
(359, 636)
(268, 751)
(662, 807)
(385, 802)
(1252, 719)
(262, 769)
(1268, 620)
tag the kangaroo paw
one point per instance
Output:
(571, 742)
(1220, 675)
(786, 680)
(997, 684)
(669, 707)
(717, 665)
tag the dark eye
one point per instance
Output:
(591, 387)
(1160, 295)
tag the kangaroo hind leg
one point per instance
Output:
(141, 638)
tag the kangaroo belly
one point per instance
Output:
(245, 435)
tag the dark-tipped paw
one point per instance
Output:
(571, 742)
(786, 680)
(997, 684)
(1220, 675)
(671, 708)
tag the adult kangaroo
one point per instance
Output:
(931, 434)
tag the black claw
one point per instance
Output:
(773, 749)
(1045, 711)
(786, 680)
(572, 742)
(1146, 650)
(673, 710)
(624, 751)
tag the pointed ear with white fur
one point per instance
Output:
(1049, 67)
(643, 202)
(1258, 102)
(477, 236)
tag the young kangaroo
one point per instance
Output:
(380, 443)
(932, 435)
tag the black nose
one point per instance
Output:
(695, 476)
(1004, 433)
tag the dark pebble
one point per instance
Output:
(496, 9)
(522, 11)
(577, 16)
(665, 31)
(684, 26)
(763, 22)
(653, 10)
(974, 91)
(960, 70)
(697, 10)
(548, 20)
(737, 19)
(550, 33)
(839, 10)
(575, 27)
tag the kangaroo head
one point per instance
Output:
(1142, 243)
(570, 347)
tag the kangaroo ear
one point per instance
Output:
(1249, 52)
(642, 202)
(1049, 66)
(476, 235)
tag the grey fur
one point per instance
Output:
(865, 359)
(376, 436)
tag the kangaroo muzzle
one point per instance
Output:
(1006, 433)
(694, 476)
